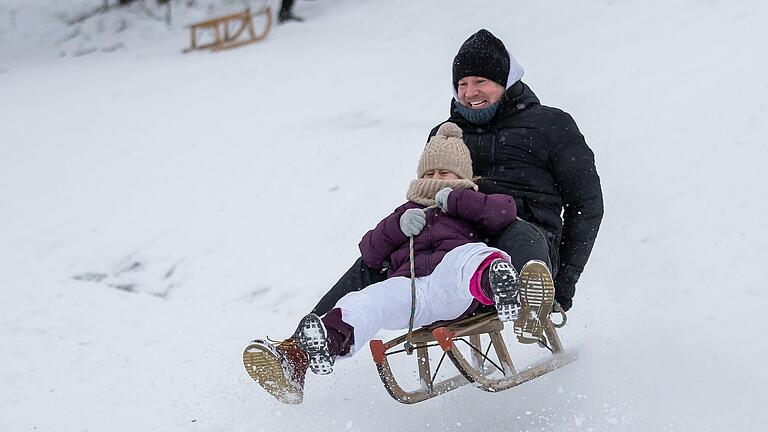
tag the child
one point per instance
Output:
(454, 270)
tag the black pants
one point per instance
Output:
(285, 7)
(522, 240)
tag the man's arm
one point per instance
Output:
(493, 212)
(575, 174)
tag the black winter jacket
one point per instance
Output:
(537, 154)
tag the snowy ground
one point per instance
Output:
(159, 210)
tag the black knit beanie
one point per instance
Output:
(484, 55)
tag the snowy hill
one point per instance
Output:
(160, 209)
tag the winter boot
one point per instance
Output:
(280, 368)
(504, 284)
(537, 295)
(313, 339)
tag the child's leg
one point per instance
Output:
(383, 305)
(461, 268)
(479, 283)
(484, 273)
(443, 295)
(490, 278)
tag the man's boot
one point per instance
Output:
(537, 296)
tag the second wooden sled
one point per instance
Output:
(479, 369)
(226, 31)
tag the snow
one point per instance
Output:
(160, 210)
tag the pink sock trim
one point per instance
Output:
(476, 284)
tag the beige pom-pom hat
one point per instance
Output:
(447, 151)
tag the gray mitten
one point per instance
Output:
(441, 198)
(413, 221)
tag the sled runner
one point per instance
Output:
(532, 326)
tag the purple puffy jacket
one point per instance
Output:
(471, 217)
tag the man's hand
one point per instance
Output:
(413, 221)
(441, 198)
(565, 287)
(566, 304)
(565, 301)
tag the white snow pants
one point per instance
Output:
(443, 295)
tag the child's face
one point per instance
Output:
(440, 174)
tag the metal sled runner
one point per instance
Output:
(479, 368)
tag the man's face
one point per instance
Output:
(477, 92)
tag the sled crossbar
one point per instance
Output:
(475, 369)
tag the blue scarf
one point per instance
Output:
(477, 116)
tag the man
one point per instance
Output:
(524, 149)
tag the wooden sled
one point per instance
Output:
(226, 31)
(479, 368)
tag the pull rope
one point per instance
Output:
(564, 319)
(408, 340)
(408, 345)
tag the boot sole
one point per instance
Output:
(537, 295)
(313, 338)
(503, 279)
(266, 368)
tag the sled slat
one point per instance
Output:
(502, 353)
(552, 337)
(477, 357)
(425, 372)
(478, 324)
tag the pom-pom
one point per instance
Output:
(449, 130)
